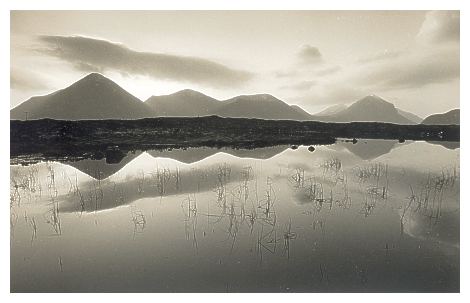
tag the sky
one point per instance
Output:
(314, 59)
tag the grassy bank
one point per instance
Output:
(105, 138)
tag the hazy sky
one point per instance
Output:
(310, 58)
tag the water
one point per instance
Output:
(366, 217)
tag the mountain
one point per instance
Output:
(100, 169)
(334, 109)
(410, 116)
(92, 97)
(451, 117)
(301, 111)
(370, 108)
(185, 103)
(370, 149)
(192, 155)
(261, 106)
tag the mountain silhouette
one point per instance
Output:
(92, 97)
(190, 103)
(261, 106)
(334, 109)
(370, 149)
(185, 103)
(100, 169)
(301, 111)
(97, 97)
(410, 116)
(370, 108)
(450, 117)
(192, 155)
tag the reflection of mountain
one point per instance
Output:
(160, 183)
(100, 169)
(370, 149)
(446, 144)
(192, 155)
(187, 156)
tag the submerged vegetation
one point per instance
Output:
(252, 213)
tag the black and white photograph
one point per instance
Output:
(234, 151)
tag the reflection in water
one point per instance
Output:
(274, 219)
(99, 169)
(369, 149)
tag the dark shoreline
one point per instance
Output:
(112, 139)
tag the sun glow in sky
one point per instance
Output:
(311, 58)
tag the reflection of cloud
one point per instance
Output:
(159, 183)
(446, 230)
(440, 26)
(98, 55)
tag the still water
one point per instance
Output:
(375, 216)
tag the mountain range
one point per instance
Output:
(92, 97)
(450, 117)
(97, 97)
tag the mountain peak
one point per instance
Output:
(93, 77)
(373, 99)
(189, 92)
(255, 98)
(92, 97)
(371, 108)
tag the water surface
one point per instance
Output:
(366, 217)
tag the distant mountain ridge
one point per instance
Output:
(262, 106)
(92, 97)
(185, 103)
(450, 117)
(97, 97)
(370, 108)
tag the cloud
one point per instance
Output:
(309, 54)
(328, 71)
(440, 27)
(286, 74)
(423, 67)
(383, 56)
(91, 54)
(301, 86)
(25, 80)
(330, 93)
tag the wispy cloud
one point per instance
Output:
(91, 54)
(300, 86)
(383, 56)
(440, 27)
(414, 70)
(25, 80)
